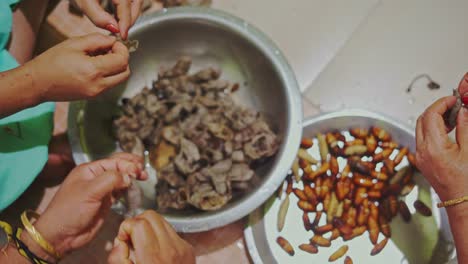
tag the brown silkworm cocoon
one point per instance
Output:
(300, 194)
(320, 171)
(306, 221)
(320, 230)
(362, 181)
(348, 260)
(407, 189)
(363, 215)
(360, 133)
(309, 248)
(339, 253)
(422, 208)
(411, 159)
(390, 166)
(355, 150)
(379, 176)
(334, 167)
(389, 144)
(285, 245)
(331, 140)
(404, 211)
(371, 143)
(398, 177)
(307, 143)
(401, 154)
(384, 227)
(354, 142)
(373, 230)
(306, 206)
(318, 215)
(378, 247)
(320, 241)
(385, 153)
(381, 134)
(343, 227)
(361, 194)
(332, 208)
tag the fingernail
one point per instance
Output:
(116, 242)
(112, 28)
(465, 98)
(127, 179)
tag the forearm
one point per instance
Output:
(458, 216)
(17, 90)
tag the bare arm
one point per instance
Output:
(17, 90)
(12, 256)
(458, 216)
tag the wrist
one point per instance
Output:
(38, 88)
(53, 235)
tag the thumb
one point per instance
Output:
(93, 42)
(98, 16)
(108, 182)
(120, 253)
(462, 128)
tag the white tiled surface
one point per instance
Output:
(399, 40)
(309, 32)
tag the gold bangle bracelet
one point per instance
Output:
(453, 202)
(35, 235)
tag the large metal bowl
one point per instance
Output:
(408, 240)
(211, 38)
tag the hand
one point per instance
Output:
(152, 240)
(69, 71)
(443, 162)
(79, 208)
(127, 13)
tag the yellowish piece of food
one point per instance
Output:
(163, 155)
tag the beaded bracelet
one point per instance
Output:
(453, 202)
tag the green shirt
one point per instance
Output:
(24, 136)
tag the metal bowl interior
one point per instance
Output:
(406, 238)
(211, 38)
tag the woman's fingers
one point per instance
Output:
(124, 15)
(93, 42)
(433, 123)
(136, 9)
(128, 157)
(113, 80)
(97, 15)
(462, 128)
(120, 253)
(106, 183)
(114, 62)
(139, 232)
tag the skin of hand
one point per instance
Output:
(150, 239)
(79, 68)
(445, 163)
(127, 13)
(80, 206)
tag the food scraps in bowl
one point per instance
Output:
(203, 144)
(358, 184)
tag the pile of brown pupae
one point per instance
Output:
(363, 195)
(203, 144)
